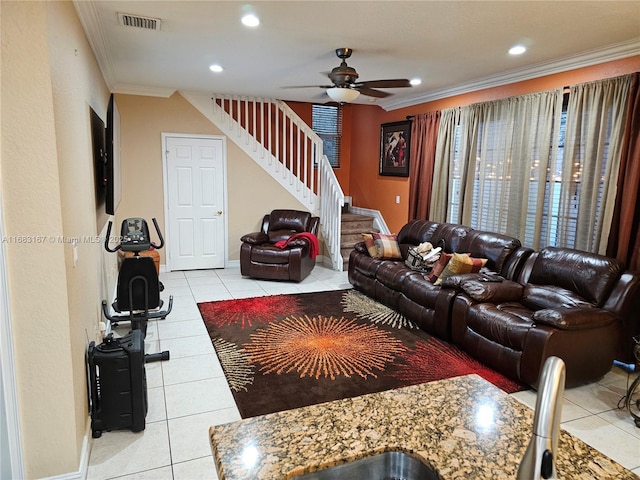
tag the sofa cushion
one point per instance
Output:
(499, 326)
(452, 236)
(270, 255)
(589, 275)
(538, 297)
(574, 318)
(279, 235)
(392, 274)
(439, 266)
(417, 288)
(370, 244)
(386, 246)
(461, 263)
(494, 292)
(416, 232)
(493, 246)
(289, 220)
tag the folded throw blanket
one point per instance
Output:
(310, 238)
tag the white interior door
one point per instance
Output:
(195, 197)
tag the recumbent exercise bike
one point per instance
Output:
(116, 375)
(138, 290)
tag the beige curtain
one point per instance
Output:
(594, 133)
(492, 161)
(445, 178)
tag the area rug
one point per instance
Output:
(287, 351)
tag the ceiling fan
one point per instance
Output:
(346, 89)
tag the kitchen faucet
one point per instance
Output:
(539, 460)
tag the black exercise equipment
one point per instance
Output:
(138, 290)
(117, 383)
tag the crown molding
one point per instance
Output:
(92, 27)
(143, 90)
(593, 57)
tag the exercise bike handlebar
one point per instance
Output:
(157, 247)
(136, 246)
(107, 238)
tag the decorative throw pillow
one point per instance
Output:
(461, 263)
(371, 246)
(386, 246)
(439, 266)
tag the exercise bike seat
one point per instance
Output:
(139, 274)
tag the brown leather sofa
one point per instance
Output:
(261, 258)
(512, 325)
(579, 306)
(409, 292)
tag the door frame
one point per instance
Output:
(10, 407)
(165, 188)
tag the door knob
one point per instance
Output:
(219, 212)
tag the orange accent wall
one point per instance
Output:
(370, 190)
(304, 111)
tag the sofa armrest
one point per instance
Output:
(455, 281)
(492, 292)
(360, 247)
(574, 318)
(255, 238)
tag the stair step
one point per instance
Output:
(354, 223)
(351, 238)
(352, 226)
(354, 217)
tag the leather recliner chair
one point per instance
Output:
(261, 258)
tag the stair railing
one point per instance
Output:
(276, 138)
(331, 203)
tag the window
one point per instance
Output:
(539, 167)
(327, 123)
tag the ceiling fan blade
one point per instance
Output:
(307, 86)
(396, 83)
(372, 93)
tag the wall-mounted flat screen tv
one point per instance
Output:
(99, 143)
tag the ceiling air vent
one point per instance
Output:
(137, 21)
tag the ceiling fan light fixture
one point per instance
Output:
(342, 94)
(517, 50)
(250, 20)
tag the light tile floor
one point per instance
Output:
(189, 393)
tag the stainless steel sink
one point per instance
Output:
(383, 466)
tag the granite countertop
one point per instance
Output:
(464, 427)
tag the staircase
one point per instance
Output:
(278, 140)
(353, 225)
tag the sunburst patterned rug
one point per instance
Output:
(288, 351)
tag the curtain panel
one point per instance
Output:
(424, 134)
(492, 162)
(624, 238)
(595, 126)
(541, 167)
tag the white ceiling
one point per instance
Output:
(453, 46)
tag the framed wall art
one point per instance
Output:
(394, 148)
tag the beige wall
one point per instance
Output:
(50, 78)
(251, 192)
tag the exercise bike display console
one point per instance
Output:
(134, 236)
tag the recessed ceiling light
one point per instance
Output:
(216, 68)
(415, 81)
(250, 20)
(517, 50)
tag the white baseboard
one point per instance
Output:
(81, 473)
(378, 220)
